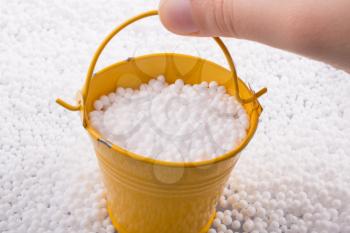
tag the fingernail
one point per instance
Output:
(178, 17)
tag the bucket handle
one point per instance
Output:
(98, 52)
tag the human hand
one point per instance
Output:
(313, 28)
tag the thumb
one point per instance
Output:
(248, 19)
(312, 28)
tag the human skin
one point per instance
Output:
(313, 28)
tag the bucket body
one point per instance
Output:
(147, 198)
(150, 196)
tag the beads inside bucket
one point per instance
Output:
(172, 122)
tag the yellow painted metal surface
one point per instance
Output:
(147, 195)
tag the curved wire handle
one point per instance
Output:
(98, 52)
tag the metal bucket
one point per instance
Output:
(151, 196)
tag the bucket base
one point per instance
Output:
(120, 229)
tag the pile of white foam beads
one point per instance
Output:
(279, 211)
(172, 122)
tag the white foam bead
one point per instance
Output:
(226, 190)
(98, 105)
(105, 101)
(242, 194)
(204, 84)
(106, 222)
(227, 220)
(212, 230)
(233, 198)
(216, 222)
(336, 203)
(213, 84)
(248, 225)
(221, 227)
(179, 83)
(129, 90)
(111, 97)
(95, 114)
(236, 225)
(234, 212)
(250, 211)
(274, 225)
(221, 89)
(257, 203)
(280, 196)
(260, 212)
(243, 204)
(110, 229)
(223, 203)
(228, 212)
(143, 88)
(334, 213)
(161, 78)
(259, 226)
(239, 217)
(220, 215)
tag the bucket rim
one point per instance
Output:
(228, 155)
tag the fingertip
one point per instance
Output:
(176, 16)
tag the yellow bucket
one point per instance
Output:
(147, 195)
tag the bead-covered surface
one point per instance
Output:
(295, 172)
